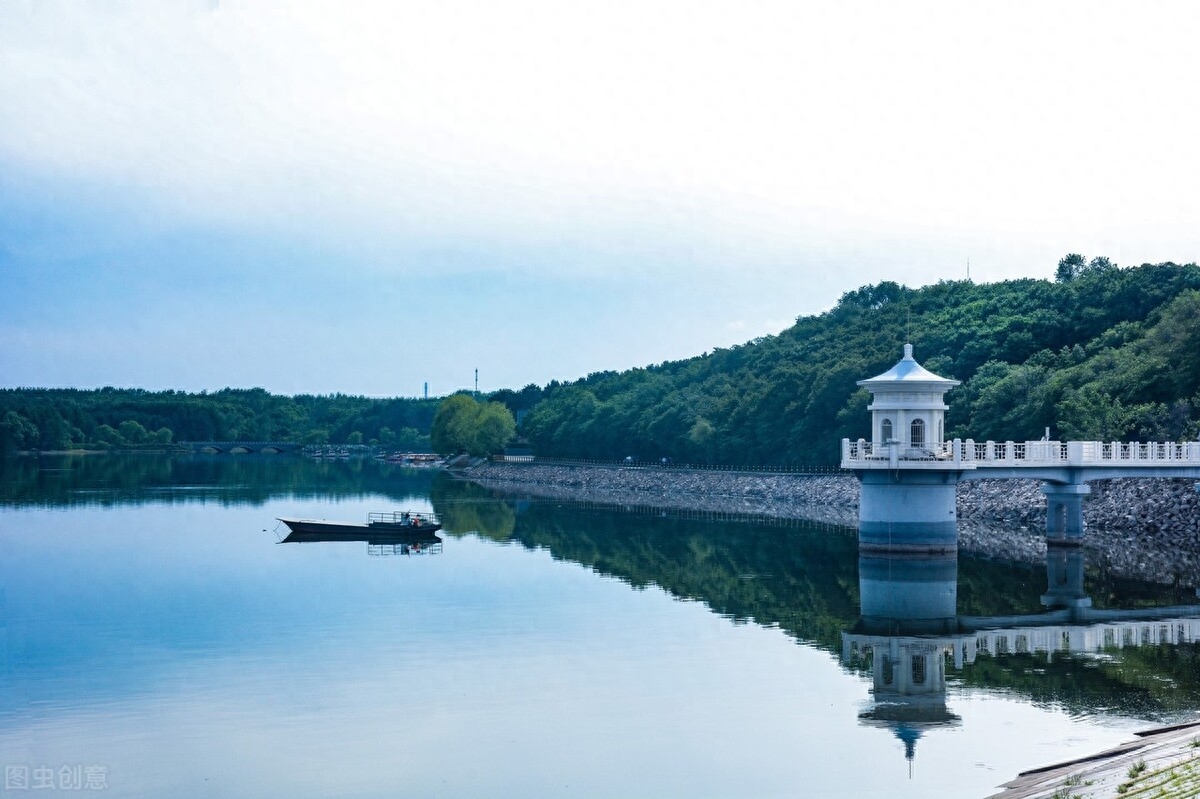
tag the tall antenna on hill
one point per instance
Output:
(476, 382)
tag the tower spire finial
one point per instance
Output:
(908, 351)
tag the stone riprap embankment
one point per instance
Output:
(826, 498)
(1146, 528)
(1140, 528)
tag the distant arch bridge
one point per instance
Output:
(235, 447)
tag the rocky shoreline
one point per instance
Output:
(1147, 528)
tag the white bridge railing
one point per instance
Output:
(976, 454)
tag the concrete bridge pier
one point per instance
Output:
(1064, 511)
(908, 511)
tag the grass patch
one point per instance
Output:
(1073, 781)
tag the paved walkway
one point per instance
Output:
(1159, 763)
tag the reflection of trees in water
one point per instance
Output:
(801, 579)
(464, 507)
(125, 479)
(1146, 681)
(798, 578)
(804, 581)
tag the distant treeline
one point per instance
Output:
(60, 419)
(1103, 352)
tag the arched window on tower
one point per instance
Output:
(885, 430)
(917, 433)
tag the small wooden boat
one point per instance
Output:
(390, 522)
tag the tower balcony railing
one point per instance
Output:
(974, 454)
(868, 450)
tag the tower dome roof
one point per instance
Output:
(908, 372)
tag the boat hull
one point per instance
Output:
(357, 531)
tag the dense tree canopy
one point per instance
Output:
(1102, 352)
(462, 424)
(57, 419)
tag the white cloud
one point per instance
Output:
(629, 133)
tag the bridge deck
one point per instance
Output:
(1067, 461)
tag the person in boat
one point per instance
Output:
(416, 522)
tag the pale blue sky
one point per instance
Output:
(362, 197)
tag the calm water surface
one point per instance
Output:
(157, 640)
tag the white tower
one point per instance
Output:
(907, 471)
(908, 405)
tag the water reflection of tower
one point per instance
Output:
(907, 626)
(908, 632)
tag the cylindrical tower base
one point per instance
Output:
(908, 511)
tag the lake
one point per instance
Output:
(157, 639)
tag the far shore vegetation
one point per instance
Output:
(1102, 352)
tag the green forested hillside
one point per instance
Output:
(1102, 352)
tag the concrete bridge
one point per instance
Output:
(1059, 462)
(908, 472)
(266, 447)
